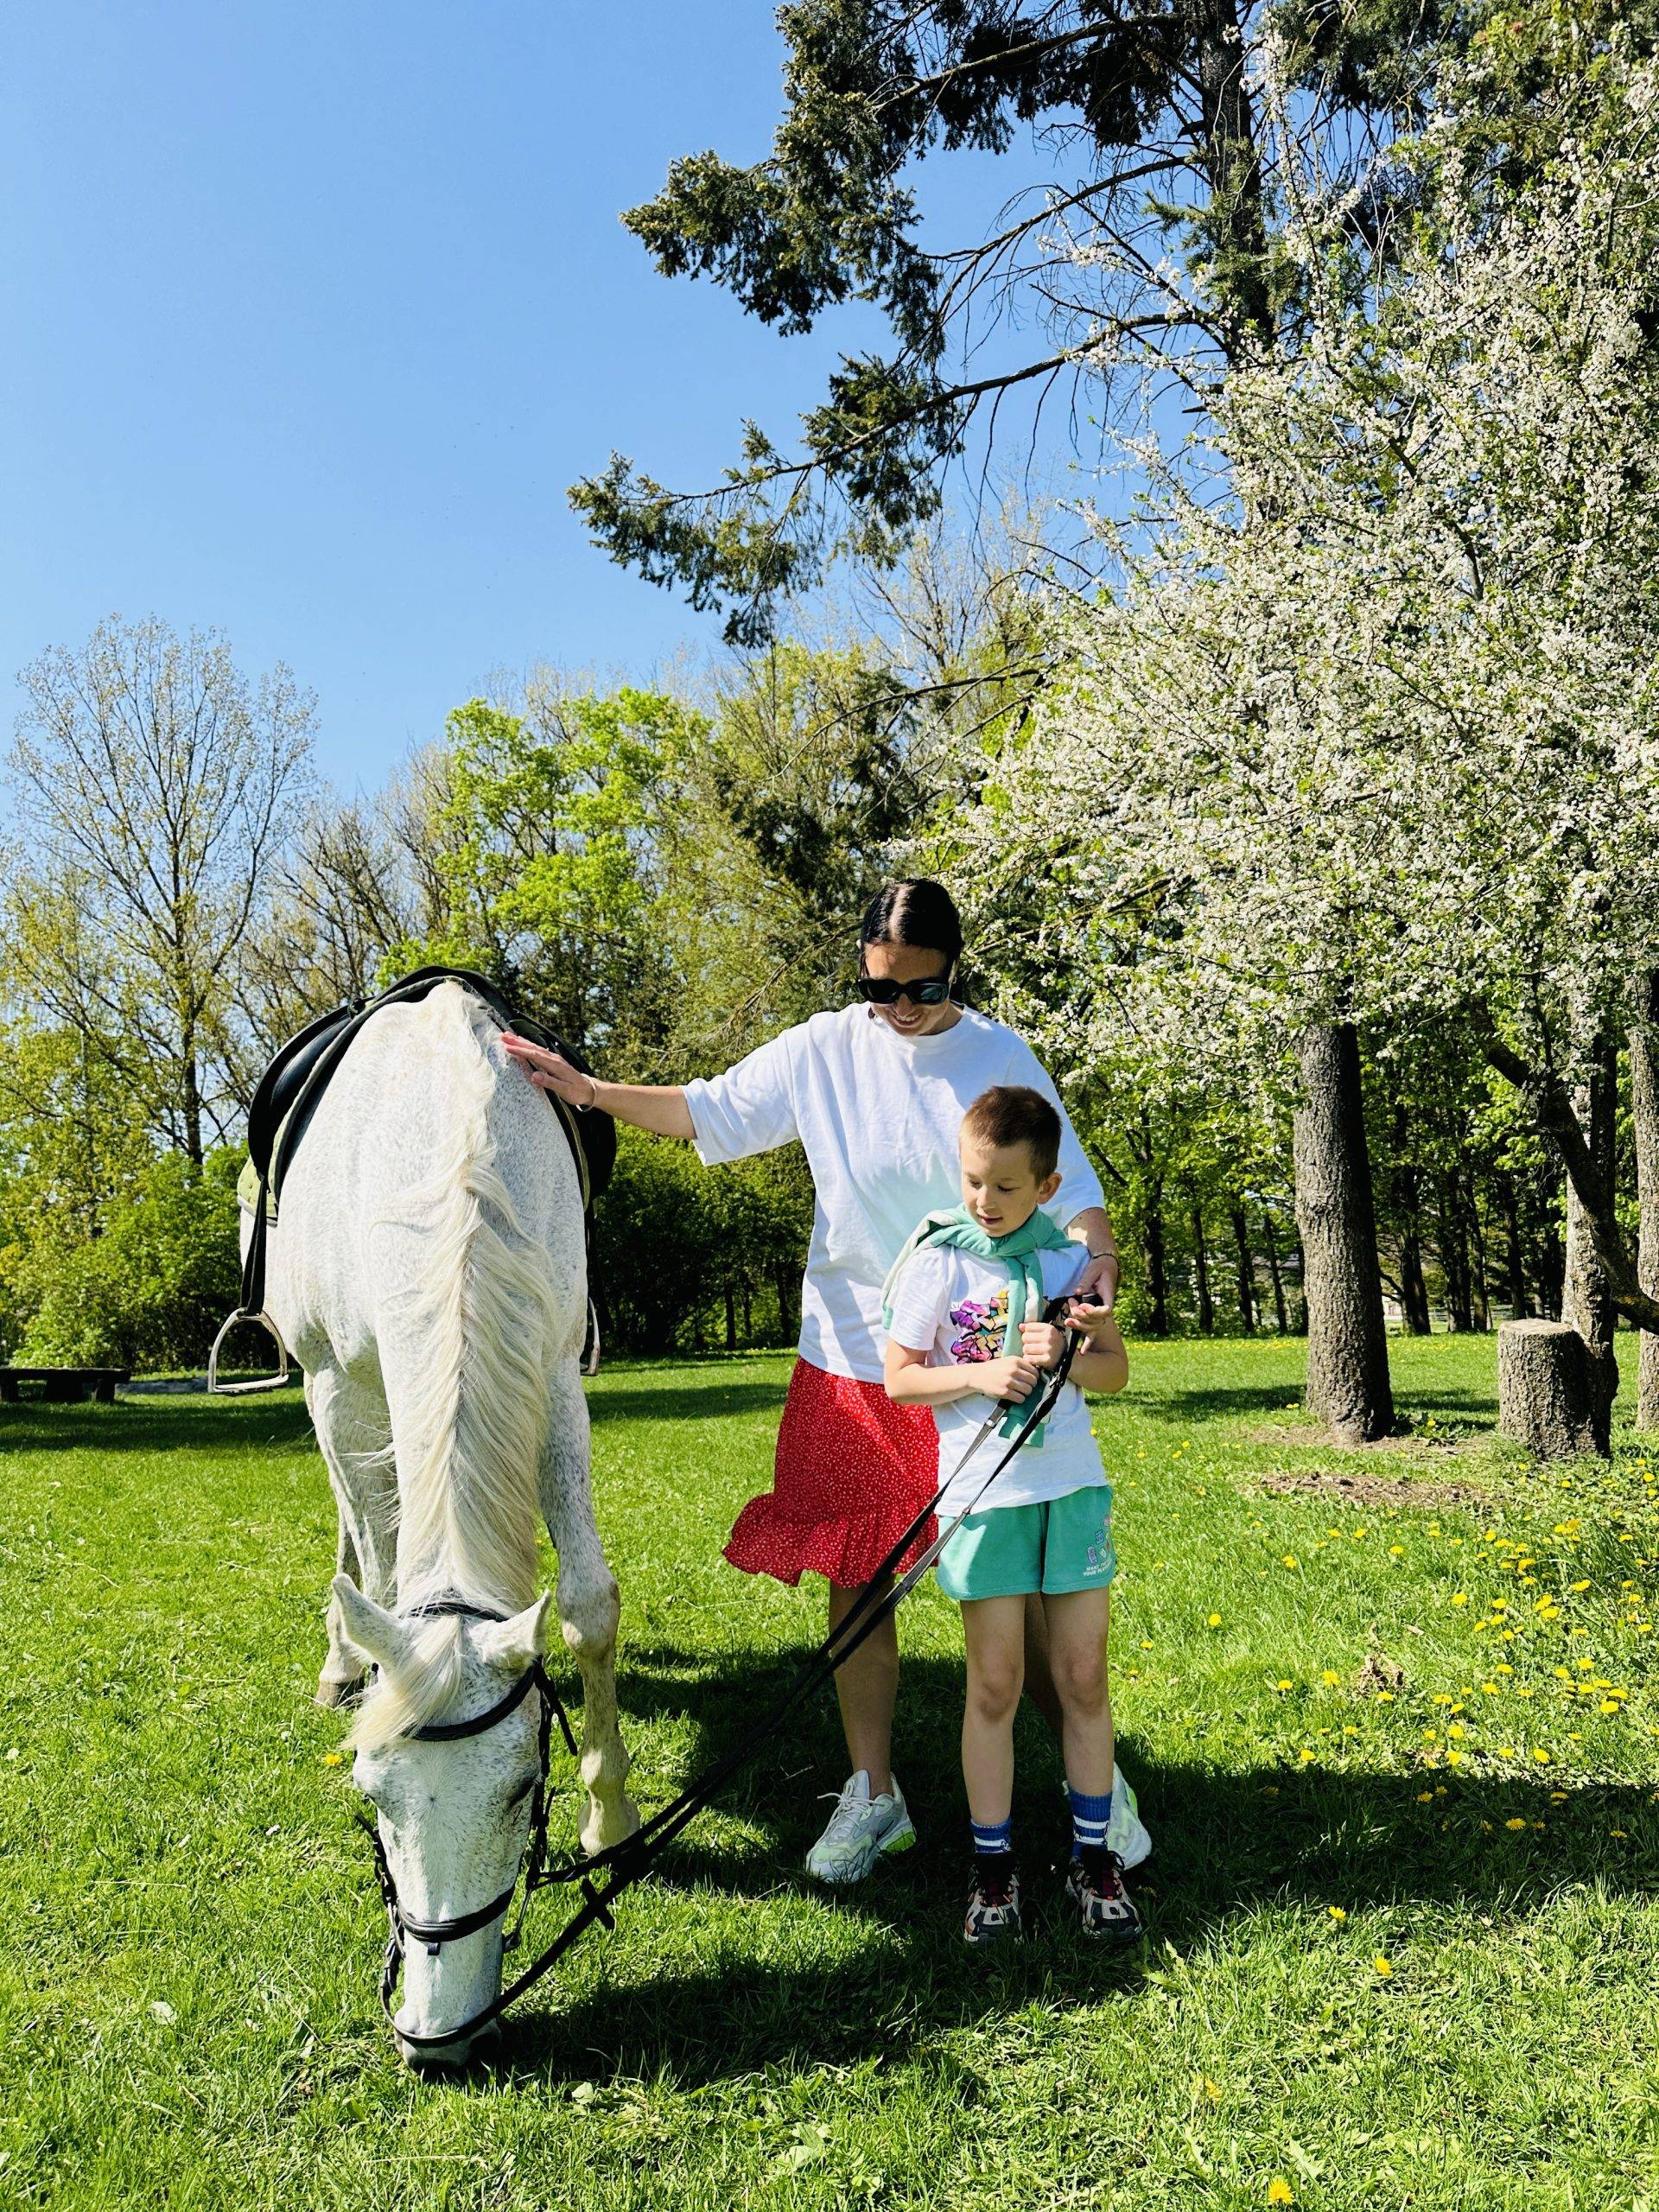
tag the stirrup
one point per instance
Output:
(218, 1389)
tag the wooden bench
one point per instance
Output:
(64, 1386)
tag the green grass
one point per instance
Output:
(192, 1933)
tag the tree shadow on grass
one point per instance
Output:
(1227, 1845)
(160, 1424)
(703, 1399)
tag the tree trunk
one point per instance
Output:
(1157, 1258)
(1348, 1385)
(1548, 1394)
(1552, 1264)
(1586, 1294)
(1644, 1118)
(1515, 1252)
(1408, 1202)
(1246, 1271)
(731, 1319)
(1454, 1258)
(785, 1280)
(1201, 1275)
(1480, 1302)
(1273, 1275)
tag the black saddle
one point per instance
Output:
(290, 1089)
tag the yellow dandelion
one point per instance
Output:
(1336, 1913)
(1214, 1621)
(1280, 2191)
(1460, 1597)
(1516, 1824)
(1578, 1588)
(331, 1758)
(1541, 1754)
(1608, 1705)
(1396, 1551)
(1284, 1683)
(1384, 1967)
(1425, 1797)
(1291, 1560)
(1305, 1756)
(1329, 1678)
(1211, 2089)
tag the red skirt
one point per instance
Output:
(853, 1470)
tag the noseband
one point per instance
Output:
(433, 1935)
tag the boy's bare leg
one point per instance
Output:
(867, 1689)
(1078, 1625)
(1040, 1679)
(994, 1629)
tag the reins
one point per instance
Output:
(625, 1863)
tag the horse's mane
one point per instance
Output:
(471, 1442)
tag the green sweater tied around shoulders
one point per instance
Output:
(1019, 1251)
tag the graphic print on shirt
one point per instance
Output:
(982, 1327)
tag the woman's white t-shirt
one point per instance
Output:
(878, 1115)
(954, 1307)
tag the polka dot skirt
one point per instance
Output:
(853, 1470)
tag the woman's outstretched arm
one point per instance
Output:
(658, 1106)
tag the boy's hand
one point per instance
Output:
(1041, 1341)
(1009, 1378)
(1090, 1321)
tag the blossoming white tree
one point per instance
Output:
(1365, 731)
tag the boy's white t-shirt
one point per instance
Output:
(879, 1115)
(955, 1307)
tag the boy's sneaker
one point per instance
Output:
(862, 1828)
(992, 1902)
(1094, 1882)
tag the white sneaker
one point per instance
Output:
(860, 1829)
(1125, 1833)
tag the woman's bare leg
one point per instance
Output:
(867, 1688)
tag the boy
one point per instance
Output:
(966, 1329)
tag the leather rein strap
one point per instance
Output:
(625, 1863)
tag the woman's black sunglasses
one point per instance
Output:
(881, 990)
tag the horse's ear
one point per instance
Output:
(520, 1642)
(372, 1632)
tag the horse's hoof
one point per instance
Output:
(332, 1691)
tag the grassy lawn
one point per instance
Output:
(1398, 1751)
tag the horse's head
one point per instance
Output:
(453, 1802)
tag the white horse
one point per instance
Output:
(427, 1272)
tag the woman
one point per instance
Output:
(876, 1092)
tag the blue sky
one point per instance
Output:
(316, 311)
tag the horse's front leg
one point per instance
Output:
(351, 1433)
(588, 1605)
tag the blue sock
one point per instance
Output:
(1088, 1818)
(993, 1840)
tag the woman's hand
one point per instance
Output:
(551, 1071)
(1098, 1286)
(1042, 1343)
(1009, 1378)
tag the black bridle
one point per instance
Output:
(625, 1863)
(433, 1935)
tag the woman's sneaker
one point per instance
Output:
(1094, 1882)
(862, 1828)
(1126, 1831)
(992, 1902)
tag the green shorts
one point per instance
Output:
(1013, 1550)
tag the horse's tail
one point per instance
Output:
(471, 1433)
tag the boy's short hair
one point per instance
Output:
(1009, 1114)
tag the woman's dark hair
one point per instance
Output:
(913, 912)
